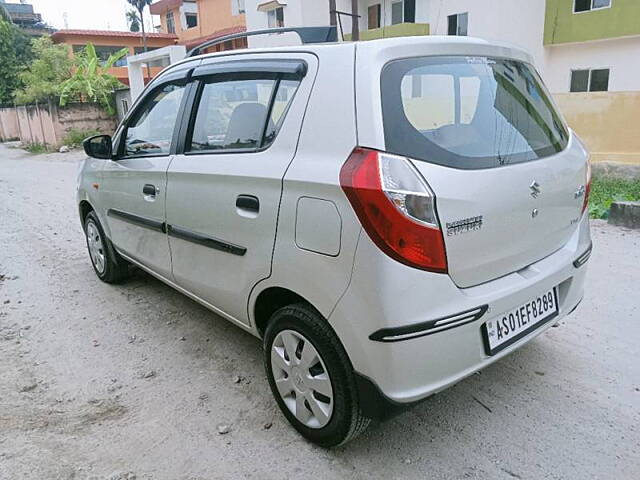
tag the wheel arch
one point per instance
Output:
(84, 207)
(271, 299)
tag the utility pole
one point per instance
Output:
(355, 28)
(333, 20)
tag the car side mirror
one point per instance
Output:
(98, 147)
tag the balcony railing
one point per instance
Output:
(397, 30)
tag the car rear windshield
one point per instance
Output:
(468, 112)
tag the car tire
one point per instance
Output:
(326, 415)
(109, 266)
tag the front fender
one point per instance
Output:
(89, 181)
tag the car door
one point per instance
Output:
(134, 185)
(225, 183)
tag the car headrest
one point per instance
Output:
(246, 124)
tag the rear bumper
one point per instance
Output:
(386, 296)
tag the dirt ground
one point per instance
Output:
(133, 381)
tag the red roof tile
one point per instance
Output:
(220, 33)
(110, 33)
(158, 8)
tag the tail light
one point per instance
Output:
(587, 187)
(396, 208)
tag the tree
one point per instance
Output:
(15, 54)
(332, 13)
(133, 21)
(4, 15)
(91, 80)
(9, 60)
(50, 68)
(140, 5)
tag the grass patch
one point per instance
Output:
(606, 190)
(37, 148)
(75, 136)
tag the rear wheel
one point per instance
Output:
(108, 265)
(311, 377)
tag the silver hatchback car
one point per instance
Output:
(389, 217)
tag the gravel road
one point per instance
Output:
(136, 381)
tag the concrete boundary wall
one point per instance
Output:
(48, 124)
(9, 127)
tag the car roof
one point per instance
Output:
(427, 45)
(432, 40)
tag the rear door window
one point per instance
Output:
(468, 112)
(241, 113)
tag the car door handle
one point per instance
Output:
(149, 189)
(248, 202)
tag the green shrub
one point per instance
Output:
(44, 77)
(606, 190)
(75, 136)
(37, 148)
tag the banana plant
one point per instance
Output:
(90, 80)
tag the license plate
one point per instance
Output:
(511, 326)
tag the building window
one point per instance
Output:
(588, 5)
(237, 7)
(458, 24)
(103, 53)
(409, 11)
(275, 18)
(138, 50)
(397, 14)
(192, 20)
(171, 23)
(125, 106)
(373, 16)
(596, 80)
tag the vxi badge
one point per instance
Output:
(464, 225)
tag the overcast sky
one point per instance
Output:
(84, 14)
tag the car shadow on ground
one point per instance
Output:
(451, 419)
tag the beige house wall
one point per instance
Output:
(608, 122)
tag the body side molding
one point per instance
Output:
(144, 222)
(205, 240)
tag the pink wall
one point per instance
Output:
(48, 124)
(8, 124)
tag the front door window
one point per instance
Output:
(150, 131)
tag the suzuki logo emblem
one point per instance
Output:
(535, 189)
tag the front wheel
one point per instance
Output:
(108, 265)
(311, 377)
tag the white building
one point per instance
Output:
(578, 45)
